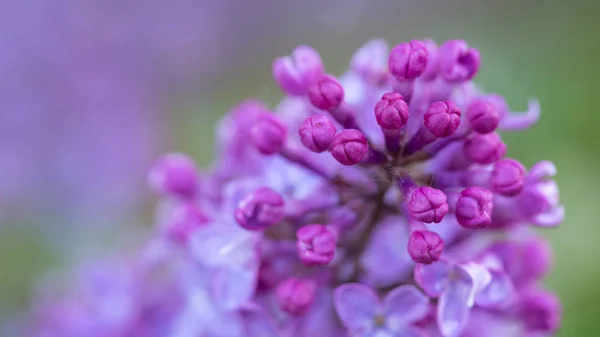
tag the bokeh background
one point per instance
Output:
(92, 91)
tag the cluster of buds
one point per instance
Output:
(377, 203)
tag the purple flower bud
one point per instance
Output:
(175, 174)
(349, 147)
(541, 310)
(326, 93)
(425, 246)
(474, 207)
(483, 116)
(186, 218)
(316, 244)
(428, 205)
(442, 118)
(458, 62)
(268, 134)
(260, 209)
(295, 296)
(484, 149)
(391, 111)
(408, 60)
(508, 177)
(316, 133)
(294, 74)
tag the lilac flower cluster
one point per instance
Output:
(377, 203)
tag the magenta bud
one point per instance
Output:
(295, 296)
(484, 149)
(508, 177)
(408, 60)
(391, 111)
(186, 218)
(425, 246)
(316, 244)
(540, 310)
(268, 134)
(175, 174)
(442, 119)
(260, 209)
(474, 208)
(349, 147)
(326, 93)
(295, 73)
(428, 205)
(317, 133)
(458, 62)
(483, 116)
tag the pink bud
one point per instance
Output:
(442, 119)
(425, 246)
(483, 116)
(260, 209)
(508, 177)
(316, 244)
(295, 296)
(175, 174)
(326, 93)
(484, 149)
(349, 147)
(474, 208)
(428, 205)
(408, 60)
(268, 134)
(391, 112)
(317, 133)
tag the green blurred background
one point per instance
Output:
(546, 49)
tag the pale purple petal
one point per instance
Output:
(551, 218)
(356, 305)
(233, 287)
(432, 278)
(542, 170)
(386, 260)
(257, 322)
(480, 278)
(455, 303)
(411, 331)
(498, 293)
(404, 305)
(521, 121)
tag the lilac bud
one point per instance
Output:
(326, 93)
(260, 209)
(408, 60)
(483, 116)
(428, 205)
(175, 174)
(442, 118)
(425, 246)
(349, 147)
(391, 111)
(316, 133)
(296, 72)
(268, 134)
(186, 218)
(295, 296)
(541, 310)
(316, 244)
(458, 62)
(474, 208)
(484, 149)
(508, 177)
